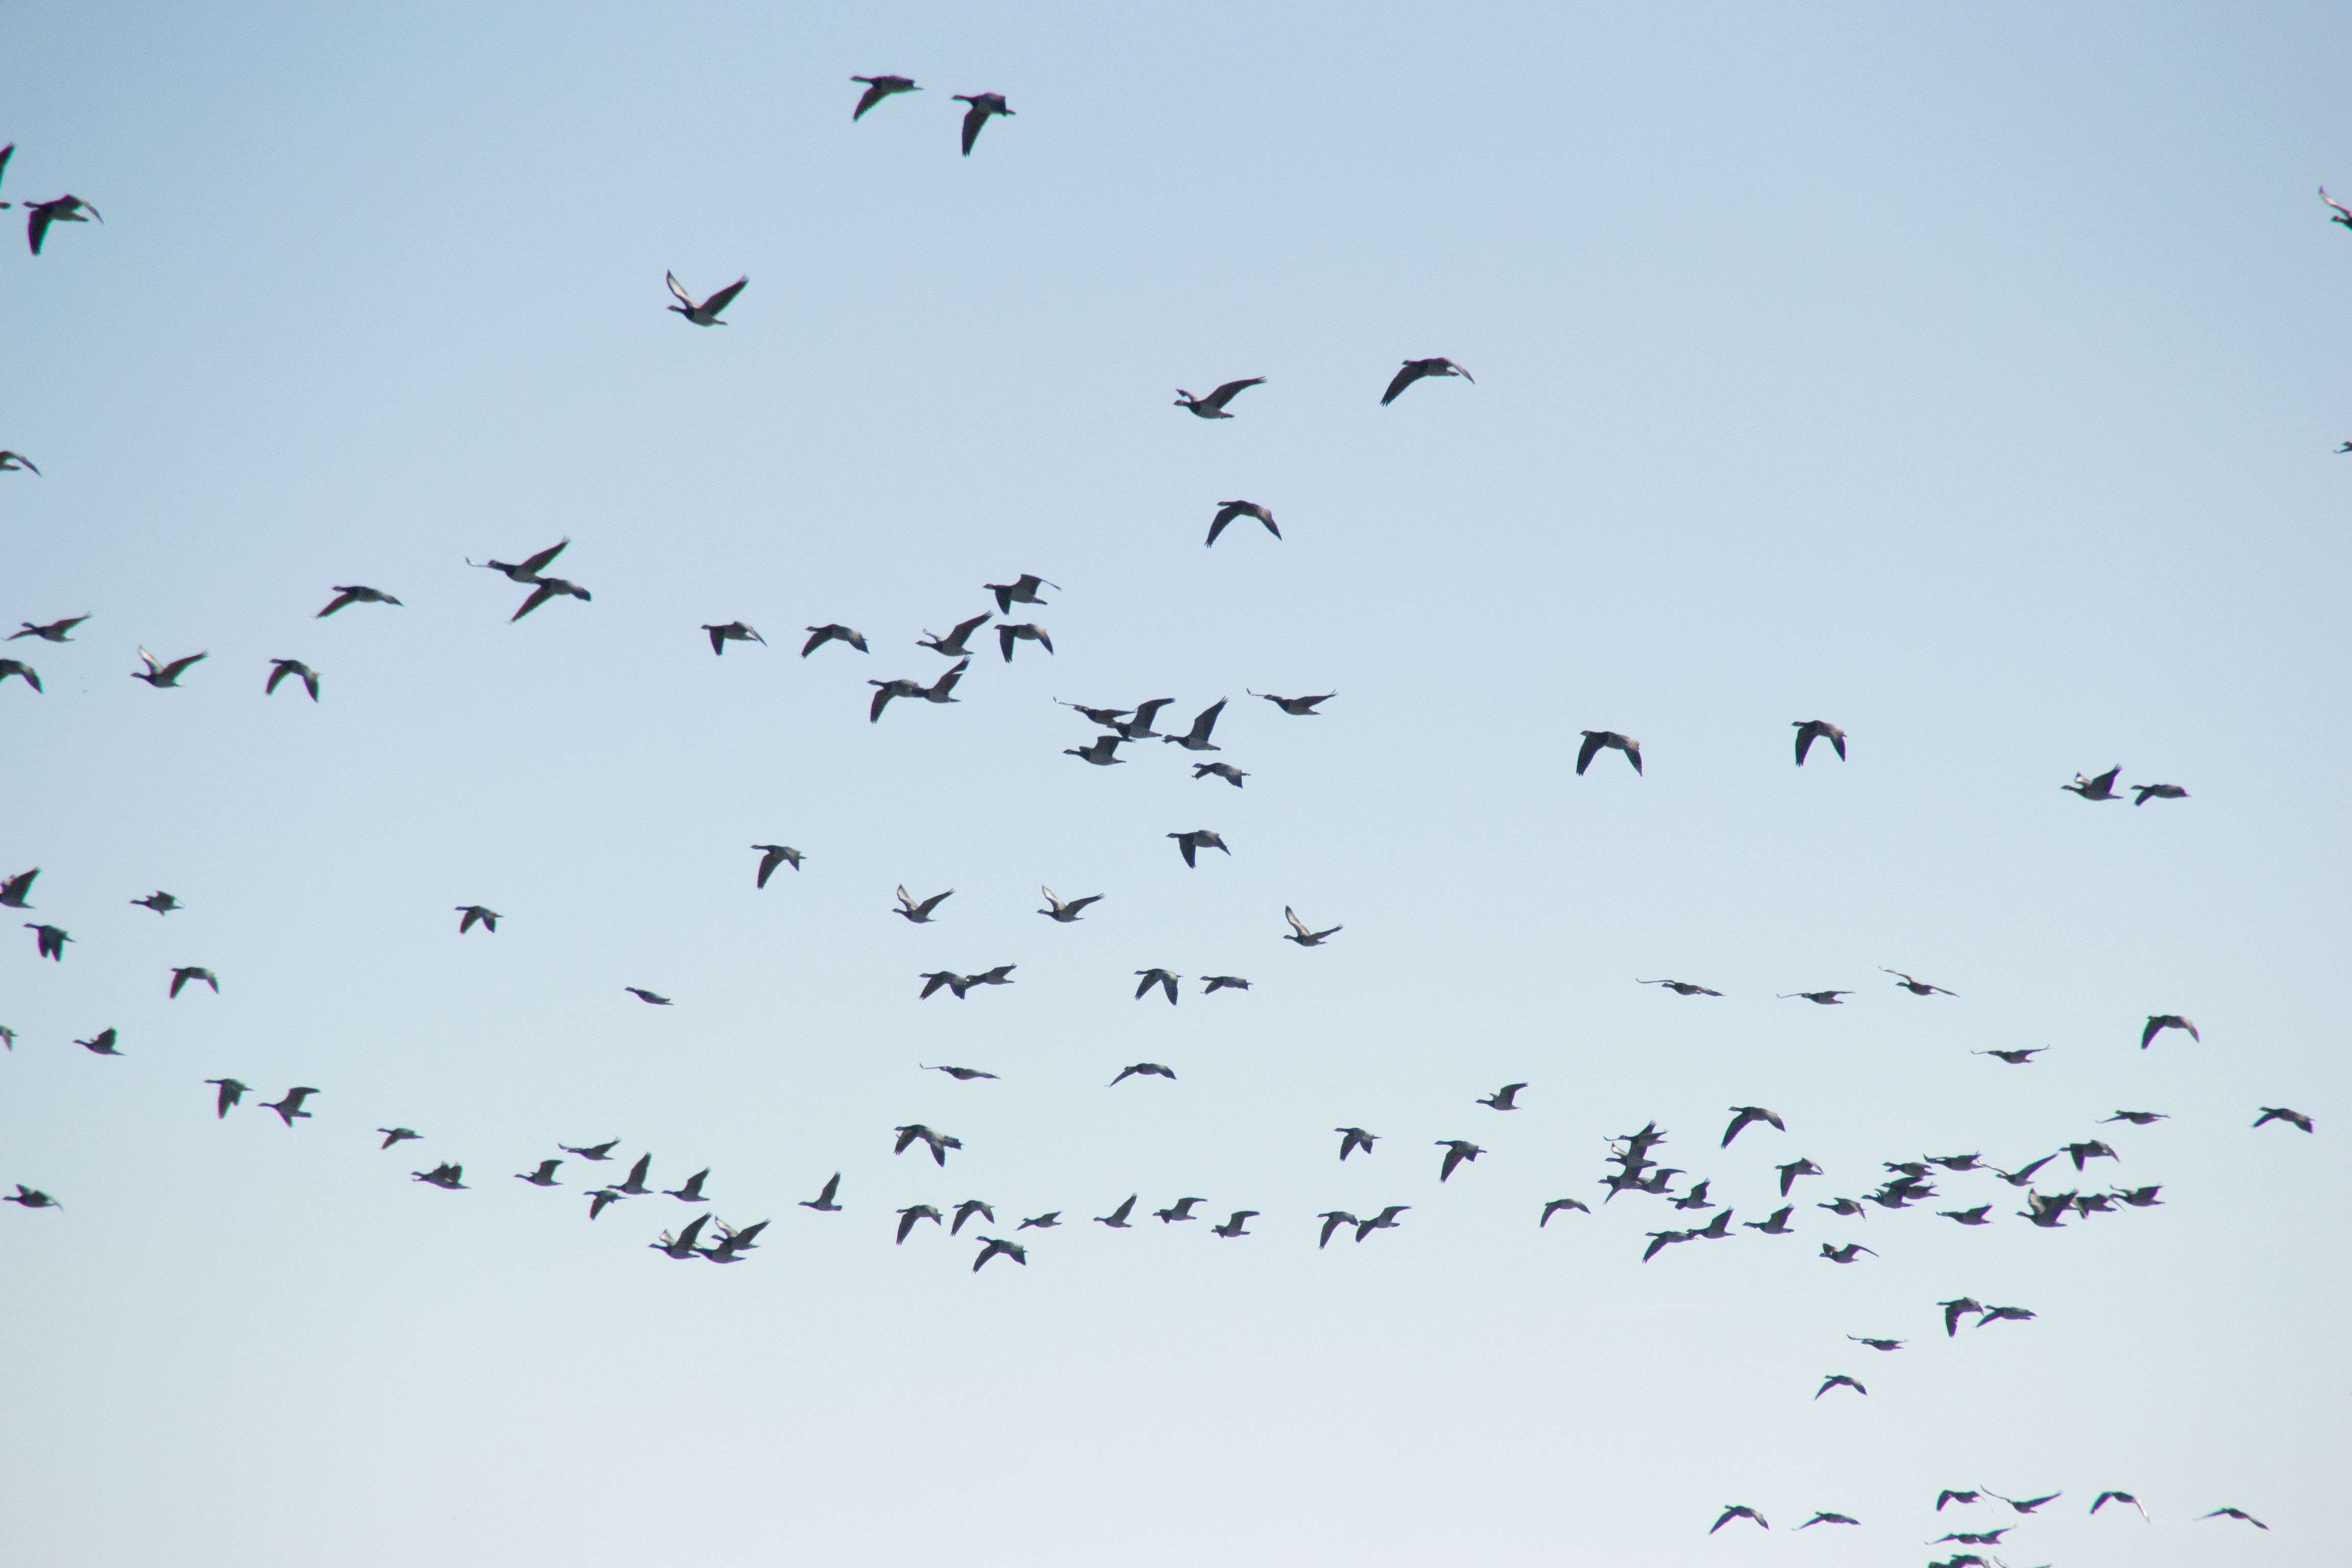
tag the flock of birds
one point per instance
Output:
(1628, 1170)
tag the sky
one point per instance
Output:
(1963, 377)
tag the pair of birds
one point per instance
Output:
(946, 979)
(981, 105)
(1808, 731)
(1212, 406)
(531, 570)
(2103, 787)
(1209, 984)
(288, 1106)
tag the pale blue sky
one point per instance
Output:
(1967, 376)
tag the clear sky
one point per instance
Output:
(1966, 375)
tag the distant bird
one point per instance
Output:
(938, 1142)
(2143, 794)
(1228, 511)
(600, 1200)
(593, 1150)
(878, 87)
(919, 914)
(188, 974)
(1139, 728)
(162, 902)
(1597, 741)
(2343, 214)
(51, 940)
(1967, 1217)
(1777, 1225)
(1160, 977)
(1737, 1511)
(2141, 1198)
(1225, 771)
(961, 1075)
(2004, 1315)
(772, 855)
(1385, 1220)
(471, 915)
(1210, 983)
(733, 1243)
(1332, 1220)
(55, 631)
(101, 1044)
(732, 631)
(280, 668)
(1947, 1495)
(542, 1177)
(968, 1208)
(2105, 1498)
(13, 462)
(1818, 999)
(1108, 718)
(14, 889)
(159, 675)
(997, 1247)
(943, 979)
(1917, 987)
(1117, 1218)
(1102, 751)
(955, 645)
(1007, 635)
(1297, 707)
(1680, 987)
(549, 588)
(9, 667)
(1746, 1116)
(1065, 911)
(1555, 1206)
(38, 216)
(31, 1198)
(635, 1186)
(1414, 369)
(1192, 842)
(2159, 1022)
(650, 999)
(290, 1107)
(681, 1247)
(1456, 1150)
(2100, 788)
(1825, 1517)
(2091, 1149)
(1300, 932)
(1022, 590)
(1875, 1344)
(910, 1217)
(1839, 1379)
(833, 632)
(983, 104)
(528, 569)
(2236, 1513)
(2281, 1114)
(1843, 1254)
(1047, 1221)
(231, 1091)
(1196, 738)
(1791, 1171)
(705, 314)
(887, 689)
(1214, 406)
(1234, 1226)
(1354, 1138)
(1142, 1069)
(690, 1191)
(2014, 1058)
(2025, 1505)
(354, 594)
(1502, 1098)
(1181, 1209)
(822, 1203)
(1811, 729)
(1846, 1207)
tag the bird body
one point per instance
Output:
(878, 87)
(1191, 843)
(2281, 1114)
(1457, 1150)
(1234, 1226)
(1065, 911)
(39, 215)
(1811, 729)
(1416, 369)
(938, 1142)
(549, 588)
(2143, 794)
(160, 675)
(1680, 987)
(650, 998)
(913, 1215)
(1597, 741)
(1354, 1138)
(1300, 932)
(1385, 1220)
(833, 632)
(1839, 1379)
(101, 1044)
(997, 1247)
(968, 1208)
(1159, 977)
(961, 1075)
(1196, 738)
(2159, 1022)
(1746, 1116)
(1214, 406)
(956, 644)
(188, 974)
(544, 1176)
(822, 1203)
(1502, 1098)
(1181, 1209)
(1022, 590)
(772, 855)
(2100, 788)
(347, 593)
(731, 631)
(1117, 1219)
(1843, 1254)
(1102, 751)
(231, 1091)
(919, 914)
(1556, 1204)
(471, 915)
(706, 312)
(55, 631)
(1917, 987)
(1229, 510)
(983, 104)
(1210, 983)
(1737, 1511)
(1008, 634)
(1142, 1069)
(447, 1176)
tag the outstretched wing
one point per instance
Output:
(1590, 750)
(533, 565)
(725, 297)
(539, 596)
(683, 298)
(1232, 390)
(1414, 371)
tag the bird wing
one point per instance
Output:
(539, 596)
(1226, 514)
(2324, 196)
(1590, 750)
(683, 298)
(724, 298)
(37, 225)
(534, 564)
(869, 98)
(1414, 371)
(974, 119)
(1229, 390)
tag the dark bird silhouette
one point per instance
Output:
(1196, 738)
(1839, 1379)
(13, 891)
(1502, 1098)
(910, 1218)
(549, 588)
(1811, 729)
(1917, 987)
(1556, 1204)
(1778, 1224)
(1818, 999)
(690, 1191)
(597, 1151)
(1192, 844)
(1225, 771)
(1967, 1217)
(682, 1245)
(528, 569)
(1047, 1221)
(1456, 1150)
(833, 632)
(957, 643)
(231, 1091)
(544, 1176)
(1142, 1069)
(2281, 1114)
(2236, 1513)
(1117, 1219)
(822, 1203)
(31, 1198)
(2159, 1022)
(1791, 1171)
(1022, 590)
(280, 668)
(1065, 911)
(968, 1208)
(1234, 1226)
(919, 914)
(1875, 1344)
(1332, 1220)
(997, 1247)
(878, 87)
(55, 631)
(2091, 1149)
(1947, 1495)
(732, 631)
(2143, 794)
(354, 594)
(938, 1142)
(2005, 1315)
(1746, 1116)
(51, 940)
(601, 1199)
(1415, 369)
(2014, 1058)
(2105, 1498)
(1160, 977)
(2141, 1198)
(290, 1107)
(650, 998)
(1302, 934)
(1297, 707)
(772, 855)
(188, 974)
(9, 667)
(1737, 1511)
(1680, 987)
(635, 1186)
(1354, 1138)
(1102, 751)
(160, 675)
(1843, 1254)
(471, 915)
(1214, 406)
(1007, 635)
(13, 462)
(1825, 1517)
(983, 104)
(961, 1075)
(39, 215)
(2100, 788)
(1597, 741)
(1210, 983)
(2025, 1505)
(162, 902)
(1228, 510)
(1139, 728)
(101, 1044)
(1181, 1209)
(705, 314)
(1385, 1220)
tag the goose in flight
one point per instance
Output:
(1297, 707)
(1139, 728)
(290, 1107)
(682, 1247)
(528, 569)
(997, 1247)
(1225, 771)
(549, 588)
(1746, 1116)
(542, 1177)
(734, 631)
(2143, 794)
(887, 689)
(1142, 1069)
(1228, 510)
(1196, 738)
(159, 675)
(822, 1203)
(54, 632)
(1456, 1150)
(938, 1142)
(733, 1243)
(1354, 1138)
(14, 462)
(1680, 987)
(9, 667)
(1332, 1220)
(2236, 1513)
(280, 668)
(878, 87)
(1117, 1219)
(1192, 842)
(1108, 718)
(601, 1199)
(961, 1075)
(1233, 1226)
(705, 314)
(919, 914)
(2005, 1315)
(2159, 1022)
(1825, 1517)
(49, 940)
(1776, 1224)
(1875, 1344)
(2024, 1505)
(1022, 590)
(2100, 788)
(1027, 631)
(650, 998)
(772, 855)
(1818, 999)
(1737, 1511)
(955, 644)
(1596, 741)
(2342, 214)
(1843, 1254)
(472, 915)
(1047, 1221)
(1102, 751)
(2091, 1150)
(1181, 1209)
(231, 1091)
(941, 690)
(635, 1186)
(2105, 1498)
(983, 104)
(1917, 987)
(38, 216)
(1503, 1098)
(2281, 1114)
(354, 594)
(593, 1150)
(188, 974)
(1839, 1379)
(1301, 934)
(1415, 369)
(1792, 1169)
(13, 889)
(691, 1191)
(2141, 1198)
(968, 1208)
(1065, 911)
(31, 1198)
(162, 902)
(947, 979)
(1159, 977)
(1969, 1216)
(1556, 1204)
(1385, 1220)
(833, 631)
(2014, 1058)
(1811, 729)
(1214, 406)
(914, 1214)
(101, 1044)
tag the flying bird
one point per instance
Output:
(55, 631)
(983, 104)
(1297, 707)
(549, 588)
(1233, 1226)
(31, 1198)
(14, 889)
(772, 855)
(1142, 1069)
(1181, 1209)
(690, 1191)
(1777, 1225)
(1332, 1220)
(1947, 1495)
(1967, 1217)
(997, 1247)
(1047, 1221)
(2100, 788)
(1192, 842)
(1159, 977)
(1117, 1218)
(1065, 911)
(1825, 1517)
(961, 1075)
(1818, 999)
(919, 914)
(354, 594)
(2006, 1315)
(1875, 1344)
(1022, 590)
(1102, 751)
(1811, 729)
(471, 915)
(1791, 1171)
(1225, 771)
(50, 940)
(593, 1150)
(705, 314)
(938, 1142)
(1839, 1379)
(2159, 1022)
(635, 1186)
(188, 974)
(2343, 214)
(1354, 1138)
(682, 1247)
(1385, 1220)
(822, 1203)
(1597, 741)
(162, 902)
(280, 668)
(1917, 987)
(2237, 1513)
(911, 1216)
(968, 1208)
(1214, 406)
(1746, 1116)
(1301, 934)
(833, 632)
(1196, 738)
(9, 667)
(2105, 1498)
(955, 645)
(528, 569)
(650, 999)
(159, 675)
(2014, 1058)
(290, 1107)
(1228, 510)
(734, 631)
(1210, 983)
(542, 1177)
(38, 216)
(1843, 1254)
(101, 1044)
(601, 1199)
(1502, 1098)
(2143, 794)
(1456, 1150)
(1414, 369)
(1556, 1204)
(13, 462)
(231, 1091)
(1737, 1511)
(1008, 634)
(878, 87)
(2281, 1114)
(1680, 987)
(2025, 1505)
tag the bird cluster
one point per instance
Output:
(2019, 1506)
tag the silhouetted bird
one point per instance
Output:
(919, 914)
(1192, 842)
(1302, 934)
(1117, 1218)
(1022, 590)
(348, 593)
(1596, 741)
(471, 915)
(101, 1044)
(1746, 1116)
(2236, 1513)
(1839, 1379)
(2100, 788)
(833, 632)
(50, 940)
(1233, 1226)
(231, 1091)
(983, 104)
(542, 1177)
(2159, 1022)
(528, 569)
(188, 974)
(2281, 1114)
(1680, 987)
(1214, 406)
(1065, 911)
(593, 1150)
(822, 1203)
(772, 855)
(1555, 1206)
(1503, 1098)
(1736, 1510)
(31, 1198)
(280, 668)
(1007, 635)
(2014, 1058)
(162, 902)
(956, 644)
(878, 87)
(1227, 511)
(1196, 738)
(9, 667)
(291, 1106)
(55, 631)
(1142, 1069)
(1917, 987)
(1415, 369)
(1225, 771)
(1456, 1150)
(734, 631)
(160, 675)
(997, 1247)
(2143, 794)
(2105, 1498)
(1222, 983)
(39, 215)
(705, 314)
(1811, 729)
(549, 588)
(649, 998)
(1354, 1138)
(1160, 977)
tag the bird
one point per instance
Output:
(162, 902)
(954, 645)
(1947, 1495)
(682, 1247)
(961, 1075)
(2100, 788)
(31, 1198)
(968, 1208)
(732, 631)
(2014, 1058)
(1142, 1069)
(1233, 1226)
(919, 914)
(290, 1107)
(1414, 369)
(1008, 634)
(1196, 738)
(2025, 1505)
(2237, 1513)
(1354, 1138)
(2159, 1022)
(1456, 1150)
(1825, 1517)
(1839, 1379)
(1138, 726)
(542, 1177)
(1102, 751)
(1555, 1206)
(913, 1215)
(2143, 794)
(1791, 1171)
(649, 998)
(1502, 1098)
(528, 569)
(690, 1191)
(549, 588)
(705, 314)
(733, 1243)
(2343, 214)
(231, 1091)
(1811, 729)
(983, 104)
(833, 632)
(280, 668)
(1746, 1116)
(1680, 987)
(1214, 406)
(1332, 1220)
(101, 1044)
(1385, 1220)
(189, 973)
(1192, 842)
(160, 675)
(878, 87)
(938, 1142)
(1297, 707)
(772, 855)
(1777, 1225)
(1737, 1511)
(55, 631)
(354, 594)
(14, 889)
(1181, 1209)
(51, 940)
(1228, 510)
(1210, 983)
(822, 1203)
(471, 915)
(1875, 1344)
(2004, 1315)
(997, 1247)
(1596, 741)
(601, 1199)
(938, 979)
(593, 1151)
(1967, 1217)
(1117, 1218)
(634, 1186)
(1065, 911)
(1843, 1254)
(2141, 1198)
(9, 667)
(1159, 977)
(2281, 1114)
(2105, 1498)
(1696, 1198)
(1917, 987)
(1225, 771)
(38, 216)
(2091, 1149)
(1302, 935)
(887, 689)
(11, 462)
(1022, 590)
(1047, 1221)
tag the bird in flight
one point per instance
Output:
(231, 1091)
(49, 940)
(1917, 987)
(705, 314)
(919, 914)
(1746, 1116)
(101, 1044)
(2159, 1022)
(822, 1203)
(1065, 911)
(1503, 1098)
(13, 462)
(1229, 510)
(2105, 1498)
(878, 87)
(542, 1177)
(2236, 1513)
(1160, 977)
(593, 1150)
(1811, 729)
(2143, 794)
(983, 104)
(1027, 631)
(1142, 1069)
(1332, 1220)
(1196, 738)
(772, 855)
(1843, 1254)
(1415, 369)
(734, 631)
(1839, 1379)
(649, 998)
(159, 675)
(2343, 214)
(833, 632)
(1117, 1219)
(1385, 1220)
(1233, 1226)
(1047, 1221)
(472, 915)
(1210, 983)
(910, 1218)
(1102, 751)
(2281, 1114)
(290, 1107)
(39, 215)
(188, 974)
(1791, 1171)
(1597, 741)
(1181, 1209)
(2025, 1505)
(1875, 1344)
(997, 1247)
(1970, 1216)
(2100, 788)
(54, 632)
(1225, 771)
(1737, 1511)
(1022, 590)
(549, 588)
(2014, 1058)
(955, 645)
(1825, 1517)
(966, 1209)
(31, 1198)
(9, 667)
(938, 1142)
(528, 569)
(1301, 934)
(1818, 999)
(1555, 1206)
(1214, 406)
(1297, 707)
(1680, 987)
(1354, 1138)
(162, 902)
(1457, 1150)
(1192, 842)
(354, 594)
(280, 668)
(13, 889)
